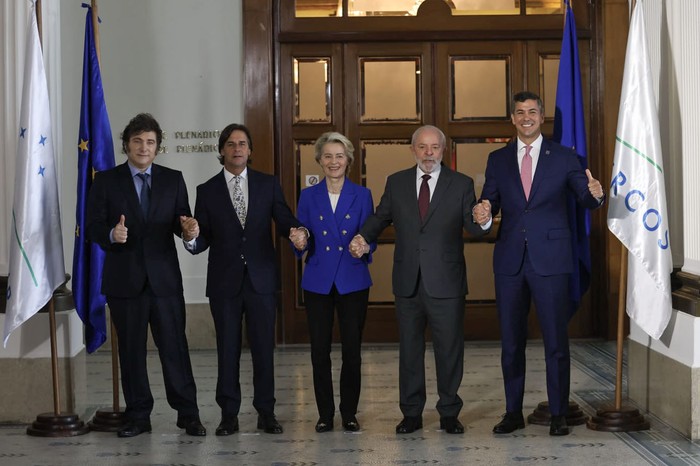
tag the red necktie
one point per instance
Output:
(424, 197)
(526, 172)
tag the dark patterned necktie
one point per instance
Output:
(239, 200)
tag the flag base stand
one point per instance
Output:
(107, 421)
(541, 415)
(625, 419)
(57, 425)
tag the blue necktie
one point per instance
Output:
(145, 196)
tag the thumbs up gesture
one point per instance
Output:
(594, 186)
(120, 231)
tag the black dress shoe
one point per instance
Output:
(557, 426)
(134, 428)
(192, 425)
(227, 426)
(324, 426)
(269, 424)
(509, 423)
(350, 424)
(451, 425)
(409, 424)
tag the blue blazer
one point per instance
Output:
(541, 221)
(234, 249)
(328, 259)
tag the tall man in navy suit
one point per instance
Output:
(234, 211)
(528, 181)
(430, 206)
(134, 210)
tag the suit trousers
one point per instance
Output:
(445, 316)
(259, 311)
(352, 311)
(550, 294)
(166, 316)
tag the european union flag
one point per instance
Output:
(95, 153)
(570, 131)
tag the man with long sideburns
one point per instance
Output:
(235, 210)
(134, 211)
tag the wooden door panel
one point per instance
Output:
(469, 133)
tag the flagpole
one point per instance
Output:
(569, 110)
(96, 30)
(619, 418)
(105, 420)
(54, 424)
(621, 299)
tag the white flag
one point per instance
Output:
(637, 212)
(36, 246)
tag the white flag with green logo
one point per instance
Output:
(637, 212)
(36, 246)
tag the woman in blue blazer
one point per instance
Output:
(333, 211)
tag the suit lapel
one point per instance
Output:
(221, 192)
(322, 201)
(512, 170)
(256, 195)
(443, 184)
(126, 184)
(543, 166)
(347, 197)
(158, 184)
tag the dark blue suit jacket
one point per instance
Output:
(149, 252)
(329, 261)
(234, 248)
(542, 220)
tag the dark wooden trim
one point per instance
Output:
(687, 297)
(604, 22)
(421, 36)
(258, 84)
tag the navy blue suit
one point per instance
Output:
(333, 279)
(532, 260)
(242, 276)
(143, 284)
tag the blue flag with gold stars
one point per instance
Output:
(570, 131)
(95, 153)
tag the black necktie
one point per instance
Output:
(145, 196)
(424, 197)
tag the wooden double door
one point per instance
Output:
(378, 94)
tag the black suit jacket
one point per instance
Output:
(234, 248)
(149, 252)
(436, 245)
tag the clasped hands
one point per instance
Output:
(299, 237)
(358, 246)
(190, 228)
(482, 212)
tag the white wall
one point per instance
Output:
(179, 60)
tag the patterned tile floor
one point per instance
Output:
(376, 444)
